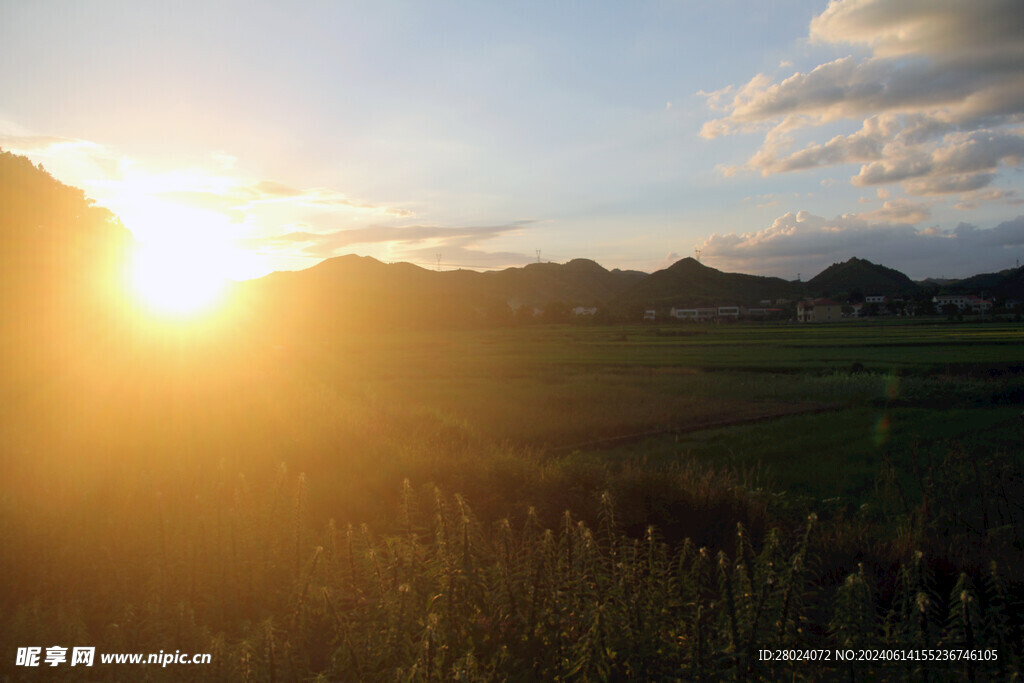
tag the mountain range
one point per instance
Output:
(350, 291)
(58, 246)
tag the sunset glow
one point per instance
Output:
(173, 279)
(476, 341)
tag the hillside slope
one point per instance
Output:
(1006, 284)
(840, 279)
(62, 267)
(690, 283)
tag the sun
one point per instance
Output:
(176, 280)
(184, 257)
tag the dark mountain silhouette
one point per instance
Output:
(1006, 284)
(356, 291)
(841, 279)
(62, 266)
(690, 283)
(578, 282)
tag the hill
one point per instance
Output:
(578, 282)
(1006, 284)
(842, 279)
(688, 282)
(351, 291)
(62, 262)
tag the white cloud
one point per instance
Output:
(900, 210)
(971, 200)
(932, 27)
(449, 239)
(939, 99)
(806, 243)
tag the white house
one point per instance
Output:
(963, 302)
(819, 311)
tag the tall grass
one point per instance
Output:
(444, 595)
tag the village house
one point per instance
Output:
(819, 311)
(964, 302)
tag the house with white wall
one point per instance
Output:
(968, 303)
(819, 311)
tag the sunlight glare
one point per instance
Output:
(173, 279)
(184, 259)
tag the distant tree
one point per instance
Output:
(524, 315)
(556, 312)
(498, 314)
(603, 316)
(922, 304)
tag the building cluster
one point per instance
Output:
(717, 313)
(824, 310)
(965, 303)
(820, 310)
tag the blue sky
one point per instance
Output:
(775, 137)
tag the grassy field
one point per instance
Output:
(375, 506)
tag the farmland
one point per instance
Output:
(377, 503)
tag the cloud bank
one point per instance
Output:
(805, 243)
(939, 99)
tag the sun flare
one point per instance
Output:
(172, 280)
(184, 257)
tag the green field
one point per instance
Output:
(870, 391)
(375, 506)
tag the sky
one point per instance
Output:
(772, 138)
